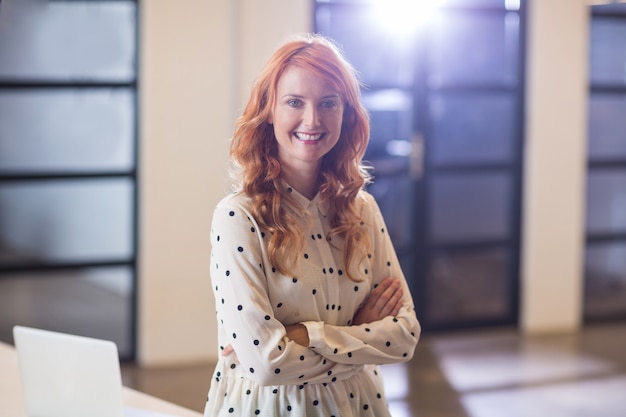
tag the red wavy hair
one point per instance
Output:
(254, 150)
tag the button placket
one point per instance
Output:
(320, 229)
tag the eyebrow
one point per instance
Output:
(300, 96)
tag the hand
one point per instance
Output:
(384, 300)
(299, 334)
(228, 350)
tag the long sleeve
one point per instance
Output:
(390, 340)
(249, 302)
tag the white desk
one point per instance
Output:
(12, 402)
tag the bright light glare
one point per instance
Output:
(512, 4)
(403, 17)
(398, 147)
(396, 380)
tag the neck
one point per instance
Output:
(304, 181)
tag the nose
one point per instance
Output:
(310, 116)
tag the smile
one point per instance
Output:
(308, 137)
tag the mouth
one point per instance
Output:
(308, 137)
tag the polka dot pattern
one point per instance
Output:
(254, 300)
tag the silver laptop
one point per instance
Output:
(68, 376)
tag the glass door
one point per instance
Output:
(444, 87)
(605, 255)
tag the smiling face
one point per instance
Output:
(307, 118)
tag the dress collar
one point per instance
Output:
(304, 202)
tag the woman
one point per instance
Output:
(310, 295)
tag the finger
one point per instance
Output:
(397, 308)
(388, 308)
(386, 296)
(380, 300)
(378, 291)
(394, 307)
(228, 350)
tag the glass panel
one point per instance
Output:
(368, 50)
(607, 125)
(606, 201)
(475, 128)
(66, 220)
(473, 49)
(393, 197)
(609, 8)
(66, 130)
(390, 122)
(67, 40)
(507, 4)
(608, 51)
(605, 279)
(471, 285)
(510, 4)
(93, 302)
(466, 207)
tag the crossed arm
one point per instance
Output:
(384, 301)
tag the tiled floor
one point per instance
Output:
(488, 373)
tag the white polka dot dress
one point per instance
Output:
(270, 375)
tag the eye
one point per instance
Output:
(328, 104)
(294, 102)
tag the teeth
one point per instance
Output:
(304, 136)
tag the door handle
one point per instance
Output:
(416, 157)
